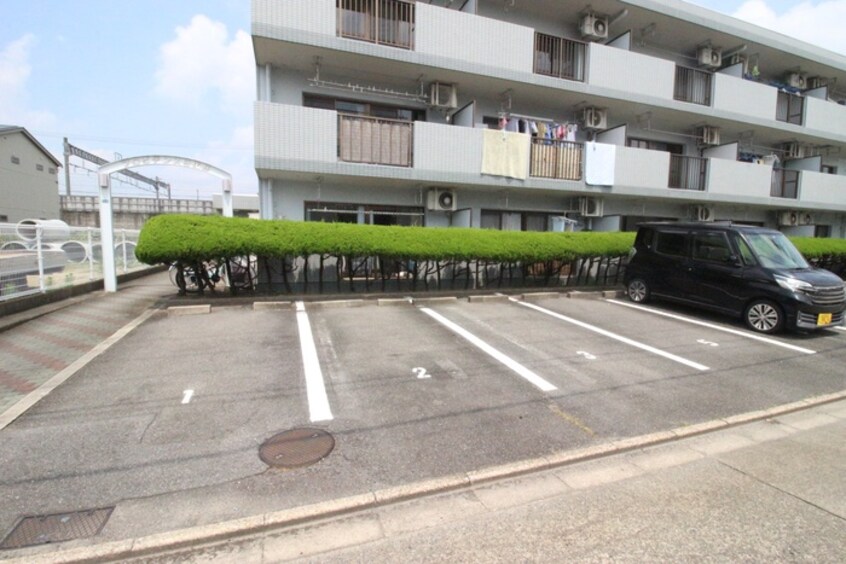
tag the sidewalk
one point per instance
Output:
(37, 344)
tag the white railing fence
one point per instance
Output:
(38, 256)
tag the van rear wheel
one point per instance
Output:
(764, 316)
(638, 290)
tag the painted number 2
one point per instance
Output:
(421, 373)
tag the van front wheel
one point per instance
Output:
(638, 290)
(764, 316)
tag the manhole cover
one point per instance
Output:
(297, 447)
(44, 529)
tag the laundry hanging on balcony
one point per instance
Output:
(505, 153)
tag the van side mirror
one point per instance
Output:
(734, 260)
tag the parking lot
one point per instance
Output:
(173, 415)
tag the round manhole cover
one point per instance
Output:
(297, 447)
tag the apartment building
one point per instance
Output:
(543, 115)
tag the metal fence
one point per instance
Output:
(785, 183)
(556, 159)
(364, 139)
(560, 57)
(692, 85)
(38, 256)
(385, 22)
(688, 173)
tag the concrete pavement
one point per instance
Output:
(764, 480)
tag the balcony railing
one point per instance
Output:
(556, 159)
(385, 22)
(363, 139)
(693, 85)
(785, 183)
(687, 173)
(790, 108)
(559, 57)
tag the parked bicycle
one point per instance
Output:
(234, 273)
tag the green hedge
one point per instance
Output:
(171, 238)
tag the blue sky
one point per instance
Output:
(139, 77)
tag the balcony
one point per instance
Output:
(384, 22)
(369, 140)
(692, 85)
(825, 189)
(785, 184)
(737, 179)
(824, 115)
(687, 173)
(636, 74)
(561, 160)
(745, 98)
(790, 108)
(559, 57)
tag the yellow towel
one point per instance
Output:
(505, 154)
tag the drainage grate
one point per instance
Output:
(297, 447)
(45, 529)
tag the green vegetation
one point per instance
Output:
(816, 248)
(171, 238)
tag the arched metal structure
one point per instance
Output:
(106, 230)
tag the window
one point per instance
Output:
(4, 218)
(16, 160)
(828, 169)
(51, 170)
(711, 247)
(822, 231)
(745, 252)
(517, 221)
(673, 244)
(39, 167)
(331, 212)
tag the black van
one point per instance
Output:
(739, 270)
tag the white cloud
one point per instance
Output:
(15, 70)
(202, 60)
(818, 23)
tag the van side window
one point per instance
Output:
(644, 238)
(745, 252)
(669, 243)
(712, 247)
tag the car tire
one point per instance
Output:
(764, 316)
(638, 290)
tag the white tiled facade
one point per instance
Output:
(327, 75)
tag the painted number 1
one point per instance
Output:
(421, 373)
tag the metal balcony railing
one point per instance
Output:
(692, 85)
(561, 160)
(364, 139)
(785, 183)
(559, 57)
(688, 173)
(385, 22)
(790, 108)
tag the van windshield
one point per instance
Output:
(774, 250)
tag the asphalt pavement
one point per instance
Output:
(759, 485)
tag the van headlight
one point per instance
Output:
(793, 284)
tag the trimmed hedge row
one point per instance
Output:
(189, 238)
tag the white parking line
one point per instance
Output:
(318, 402)
(715, 327)
(524, 372)
(611, 335)
(186, 396)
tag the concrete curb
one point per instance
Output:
(487, 298)
(218, 532)
(259, 306)
(334, 304)
(189, 310)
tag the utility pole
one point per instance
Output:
(67, 168)
(158, 203)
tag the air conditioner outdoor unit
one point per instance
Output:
(440, 199)
(796, 80)
(710, 57)
(792, 150)
(595, 118)
(788, 218)
(594, 27)
(806, 218)
(443, 95)
(702, 213)
(591, 207)
(708, 135)
(738, 59)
